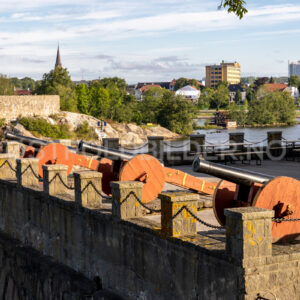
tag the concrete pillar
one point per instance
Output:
(274, 139)
(124, 199)
(13, 148)
(88, 186)
(248, 233)
(53, 185)
(7, 166)
(27, 171)
(196, 142)
(112, 143)
(236, 137)
(176, 221)
(156, 146)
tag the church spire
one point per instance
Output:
(58, 60)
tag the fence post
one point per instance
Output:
(124, 199)
(112, 143)
(53, 185)
(236, 137)
(88, 186)
(13, 148)
(27, 171)
(248, 233)
(156, 146)
(197, 142)
(274, 139)
(7, 165)
(176, 221)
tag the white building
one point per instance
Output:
(293, 91)
(189, 92)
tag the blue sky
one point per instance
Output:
(141, 40)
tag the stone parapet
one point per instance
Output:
(13, 148)
(7, 166)
(27, 171)
(88, 189)
(176, 221)
(124, 199)
(196, 142)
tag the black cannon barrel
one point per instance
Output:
(112, 154)
(36, 143)
(235, 175)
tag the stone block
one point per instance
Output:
(7, 166)
(274, 138)
(196, 142)
(112, 143)
(124, 199)
(156, 146)
(88, 189)
(13, 148)
(248, 232)
(176, 221)
(27, 171)
(236, 137)
(55, 179)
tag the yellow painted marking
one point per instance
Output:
(177, 173)
(170, 174)
(202, 187)
(90, 162)
(184, 178)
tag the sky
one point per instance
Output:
(146, 40)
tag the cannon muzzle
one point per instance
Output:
(29, 141)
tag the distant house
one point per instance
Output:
(294, 92)
(233, 88)
(189, 92)
(22, 92)
(274, 87)
(173, 82)
(139, 92)
(162, 84)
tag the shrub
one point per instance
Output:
(84, 131)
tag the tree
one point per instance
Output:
(58, 82)
(6, 86)
(271, 80)
(260, 81)
(181, 82)
(238, 97)
(176, 113)
(206, 98)
(221, 97)
(294, 81)
(238, 113)
(111, 82)
(83, 98)
(250, 94)
(28, 83)
(235, 6)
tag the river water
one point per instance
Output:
(219, 136)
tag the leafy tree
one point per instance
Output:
(235, 6)
(6, 86)
(238, 97)
(206, 98)
(112, 82)
(273, 108)
(58, 82)
(250, 94)
(181, 82)
(28, 83)
(271, 80)
(260, 81)
(238, 113)
(221, 97)
(294, 81)
(176, 113)
(100, 102)
(83, 98)
(17, 83)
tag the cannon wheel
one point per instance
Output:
(147, 169)
(278, 194)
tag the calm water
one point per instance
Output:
(220, 136)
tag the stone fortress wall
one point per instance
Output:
(12, 107)
(127, 255)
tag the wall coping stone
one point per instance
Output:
(249, 213)
(178, 196)
(126, 184)
(155, 137)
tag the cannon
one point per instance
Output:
(117, 166)
(239, 188)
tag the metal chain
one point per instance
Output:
(140, 202)
(95, 188)
(10, 166)
(58, 175)
(198, 219)
(33, 172)
(137, 148)
(279, 220)
(256, 142)
(176, 147)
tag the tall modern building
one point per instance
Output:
(229, 72)
(294, 68)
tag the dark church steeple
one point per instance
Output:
(58, 60)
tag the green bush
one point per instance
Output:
(2, 122)
(39, 126)
(84, 131)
